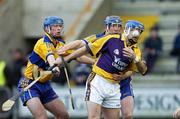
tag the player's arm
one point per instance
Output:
(77, 44)
(49, 56)
(91, 48)
(71, 46)
(86, 60)
(122, 76)
(77, 53)
(51, 60)
(140, 64)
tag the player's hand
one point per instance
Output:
(128, 52)
(24, 83)
(119, 77)
(62, 50)
(176, 114)
(56, 71)
(58, 61)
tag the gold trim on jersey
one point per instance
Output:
(88, 91)
(103, 73)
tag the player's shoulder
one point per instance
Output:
(108, 38)
(90, 39)
(111, 36)
(39, 42)
(61, 40)
(137, 49)
(100, 35)
(93, 36)
(136, 46)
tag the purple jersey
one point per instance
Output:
(111, 59)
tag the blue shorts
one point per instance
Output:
(126, 88)
(42, 90)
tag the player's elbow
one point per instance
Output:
(79, 44)
(144, 71)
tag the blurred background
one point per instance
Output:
(157, 94)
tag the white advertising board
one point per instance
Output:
(149, 102)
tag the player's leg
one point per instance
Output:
(127, 101)
(36, 108)
(111, 108)
(111, 113)
(94, 110)
(127, 106)
(57, 108)
(93, 96)
(111, 104)
(53, 104)
(32, 100)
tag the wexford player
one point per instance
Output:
(127, 101)
(115, 55)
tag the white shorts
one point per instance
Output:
(103, 92)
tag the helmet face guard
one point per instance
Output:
(133, 25)
(53, 21)
(133, 30)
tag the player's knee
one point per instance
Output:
(128, 116)
(41, 116)
(94, 117)
(64, 115)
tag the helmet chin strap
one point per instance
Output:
(131, 41)
(56, 37)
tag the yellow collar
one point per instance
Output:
(50, 38)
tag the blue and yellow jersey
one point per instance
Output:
(93, 38)
(111, 59)
(42, 49)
